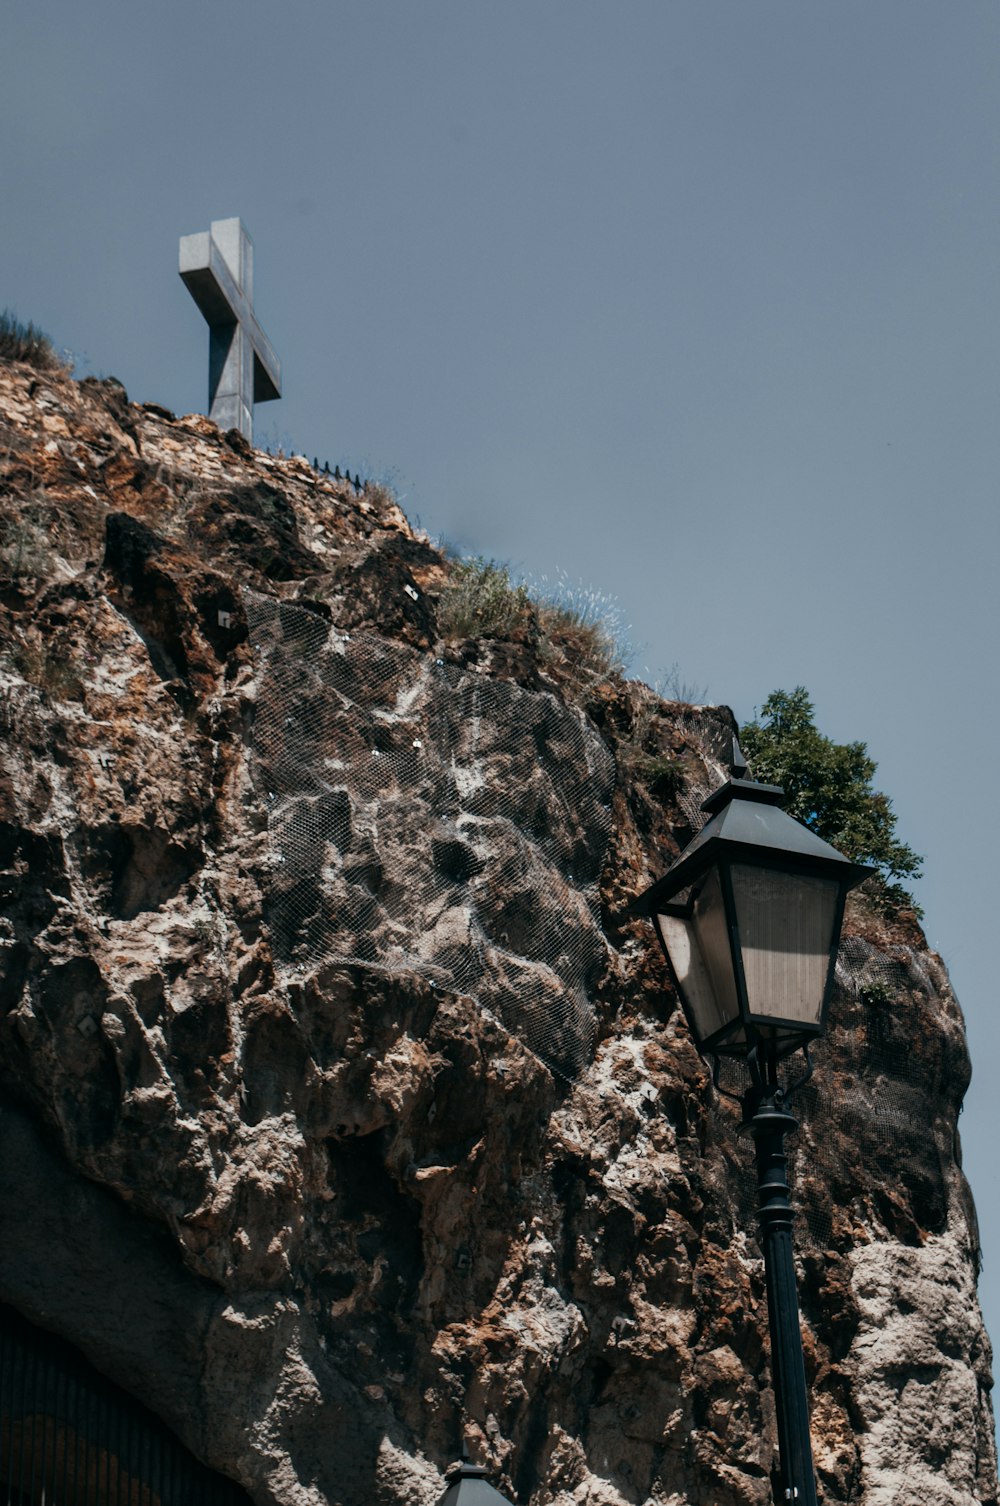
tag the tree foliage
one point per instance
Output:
(828, 786)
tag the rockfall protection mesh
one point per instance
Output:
(425, 818)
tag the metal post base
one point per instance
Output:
(769, 1122)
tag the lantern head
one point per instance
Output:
(749, 917)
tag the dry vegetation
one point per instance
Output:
(24, 342)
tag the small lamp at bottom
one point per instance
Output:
(468, 1486)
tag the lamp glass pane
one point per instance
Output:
(786, 931)
(698, 948)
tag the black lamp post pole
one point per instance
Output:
(757, 887)
(769, 1124)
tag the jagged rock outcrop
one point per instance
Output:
(309, 1196)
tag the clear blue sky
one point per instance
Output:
(695, 300)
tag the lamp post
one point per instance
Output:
(467, 1485)
(749, 917)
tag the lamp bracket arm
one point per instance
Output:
(722, 1092)
(800, 1082)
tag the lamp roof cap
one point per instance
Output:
(747, 823)
(468, 1486)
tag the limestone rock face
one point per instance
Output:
(341, 1099)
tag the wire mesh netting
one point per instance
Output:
(425, 818)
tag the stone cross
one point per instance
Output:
(217, 266)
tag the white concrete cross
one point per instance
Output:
(217, 267)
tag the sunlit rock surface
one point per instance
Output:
(317, 1192)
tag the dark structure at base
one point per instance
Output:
(69, 1436)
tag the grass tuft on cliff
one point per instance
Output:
(583, 626)
(480, 600)
(24, 342)
(579, 634)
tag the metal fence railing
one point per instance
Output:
(68, 1437)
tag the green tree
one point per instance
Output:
(828, 786)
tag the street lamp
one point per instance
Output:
(749, 918)
(467, 1485)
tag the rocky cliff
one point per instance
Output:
(343, 1103)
